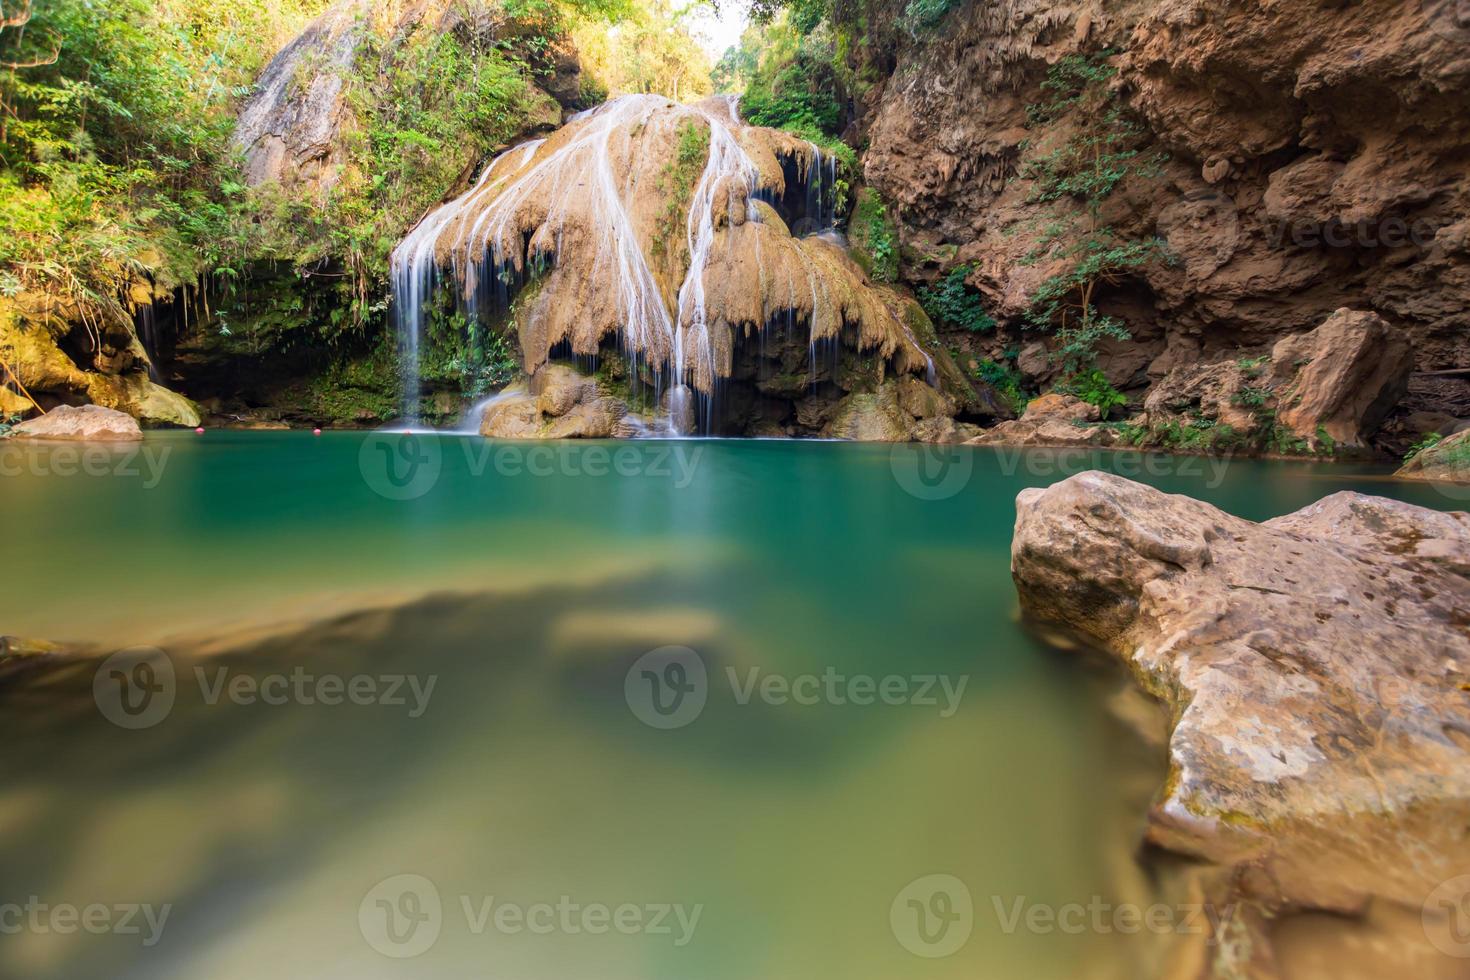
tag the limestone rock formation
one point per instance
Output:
(1314, 670)
(1352, 370)
(1448, 459)
(558, 403)
(1328, 388)
(87, 423)
(649, 225)
(1315, 161)
(106, 366)
(289, 129)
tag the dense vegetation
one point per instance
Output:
(119, 181)
(114, 141)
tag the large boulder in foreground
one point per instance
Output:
(1313, 669)
(88, 423)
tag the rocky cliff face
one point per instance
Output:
(1316, 157)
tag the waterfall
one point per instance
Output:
(413, 268)
(727, 165)
(148, 337)
(584, 215)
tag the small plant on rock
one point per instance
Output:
(1094, 388)
(1428, 442)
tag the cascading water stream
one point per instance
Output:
(583, 213)
(727, 166)
(148, 337)
(413, 267)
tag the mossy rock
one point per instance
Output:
(1447, 460)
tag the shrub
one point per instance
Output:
(1428, 442)
(1094, 388)
(951, 301)
(875, 238)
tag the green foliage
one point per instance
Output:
(653, 51)
(920, 16)
(790, 74)
(1005, 379)
(1197, 435)
(1251, 366)
(1094, 154)
(874, 238)
(462, 354)
(114, 145)
(442, 102)
(7, 423)
(361, 389)
(952, 302)
(1093, 387)
(1428, 442)
(676, 182)
(1252, 396)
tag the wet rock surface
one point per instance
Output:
(1315, 671)
(557, 403)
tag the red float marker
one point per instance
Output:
(199, 431)
(316, 432)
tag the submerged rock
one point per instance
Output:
(1315, 670)
(90, 423)
(1448, 460)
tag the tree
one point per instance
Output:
(1097, 155)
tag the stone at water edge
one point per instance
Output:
(1050, 421)
(89, 423)
(1448, 460)
(558, 402)
(1314, 668)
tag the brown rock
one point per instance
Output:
(1313, 668)
(558, 403)
(1059, 406)
(1447, 460)
(90, 423)
(870, 417)
(1354, 368)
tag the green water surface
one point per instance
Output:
(525, 583)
